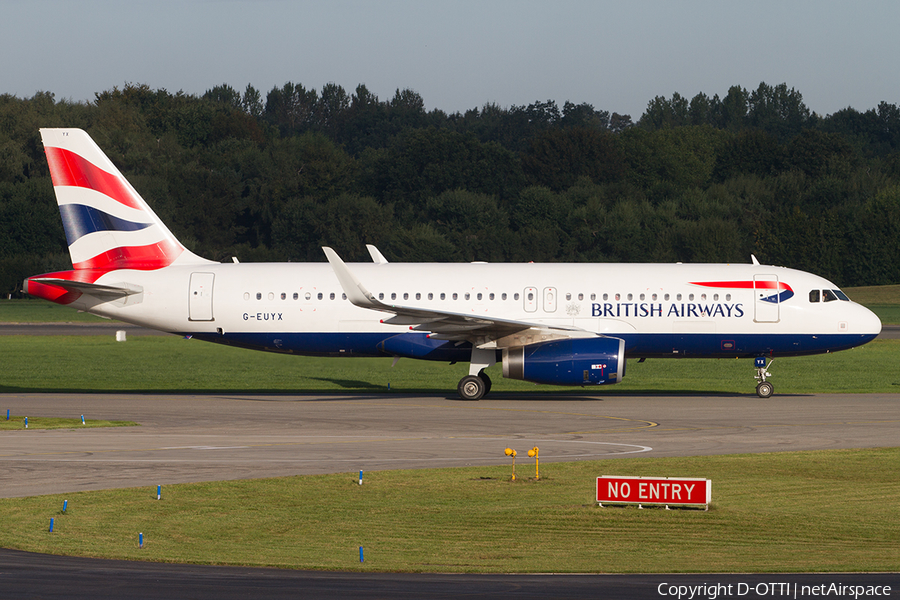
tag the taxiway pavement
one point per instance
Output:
(186, 438)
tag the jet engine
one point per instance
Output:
(572, 361)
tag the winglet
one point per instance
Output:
(355, 290)
(377, 257)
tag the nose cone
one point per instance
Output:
(865, 322)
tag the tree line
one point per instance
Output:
(274, 178)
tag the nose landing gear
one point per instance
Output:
(764, 389)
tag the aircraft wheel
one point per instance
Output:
(765, 389)
(471, 387)
(487, 382)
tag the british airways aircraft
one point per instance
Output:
(564, 324)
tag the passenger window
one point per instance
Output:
(630, 297)
(443, 296)
(381, 295)
(678, 297)
(319, 295)
(727, 297)
(283, 296)
(530, 296)
(828, 296)
(580, 297)
(593, 297)
(393, 295)
(406, 295)
(308, 296)
(654, 297)
(568, 296)
(643, 297)
(516, 296)
(455, 295)
(271, 295)
(503, 296)
(814, 296)
(332, 295)
(666, 297)
(479, 295)
(491, 296)
(259, 295)
(468, 295)
(246, 295)
(296, 296)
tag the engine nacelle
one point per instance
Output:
(573, 361)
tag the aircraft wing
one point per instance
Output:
(442, 324)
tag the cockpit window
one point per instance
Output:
(841, 295)
(814, 296)
(828, 296)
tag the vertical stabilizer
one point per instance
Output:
(108, 225)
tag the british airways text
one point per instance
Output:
(681, 311)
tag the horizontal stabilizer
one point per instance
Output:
(91, 289)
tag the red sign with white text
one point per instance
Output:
(653, 490)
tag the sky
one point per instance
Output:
(459, 54)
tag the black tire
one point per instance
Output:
(487, 383)
(765, 389)
(471, 387)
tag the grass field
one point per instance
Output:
(832, 511)
(16, 422)
(172, 364)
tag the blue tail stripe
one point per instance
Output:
(79, 220)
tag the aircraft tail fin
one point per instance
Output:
(108, 225)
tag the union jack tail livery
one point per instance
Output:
(108, 225)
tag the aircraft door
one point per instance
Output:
(766, 299)
(529, 296)
(549, 299)
(200, 307)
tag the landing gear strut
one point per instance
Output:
(764, 389)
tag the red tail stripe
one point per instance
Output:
(68, 168)
(142, 258)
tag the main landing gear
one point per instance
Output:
(476, 384)
(474, 387)
(764, 389)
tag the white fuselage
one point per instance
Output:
(659, 309)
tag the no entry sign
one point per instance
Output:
(680, 491)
